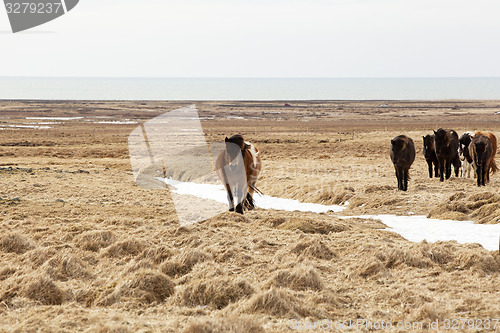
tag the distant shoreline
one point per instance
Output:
(249, 89)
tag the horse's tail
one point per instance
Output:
(253, 187)
(494, 166)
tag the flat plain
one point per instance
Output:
(82, 248)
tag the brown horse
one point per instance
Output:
(402, 156)
(430, 155)
(483, 148)
(235, 178)
(446, 143)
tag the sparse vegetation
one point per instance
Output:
(84, 249)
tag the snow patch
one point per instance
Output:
(218, 193)
(417, 228)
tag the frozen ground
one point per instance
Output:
(413, 228)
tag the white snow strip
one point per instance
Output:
(26, 126)
(414, 228)
(218, 193)
(116, 122)
(53, 118)
(418, 228)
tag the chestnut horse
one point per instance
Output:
(225, 164)
(402, 156)
(483, 148)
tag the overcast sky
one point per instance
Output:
(260, 38)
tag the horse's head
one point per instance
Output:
(398, 146)
(441, 140)
(464, 141)
(428, 143)
(234, 146)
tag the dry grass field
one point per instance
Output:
(82, 248)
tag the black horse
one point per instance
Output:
(446, 143)
(430, 155)
(402, 156)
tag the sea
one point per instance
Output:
(248, 89)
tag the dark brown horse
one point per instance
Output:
(239, 179)
(430, 155)
(482, 149)
(446, 143)
(402, 156)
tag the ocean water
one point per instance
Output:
(197, 89)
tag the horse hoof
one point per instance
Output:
(231, 209)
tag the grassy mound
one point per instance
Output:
(216, 293)
(94, 240)
(278, 302)
(309, 226)
(313, 248)
(15, 243)
(42, 289)
(300, 278)
(482, 207)
(144, 286)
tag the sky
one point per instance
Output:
(260, 38)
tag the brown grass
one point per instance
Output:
(278, 302)
(42, 289)
(310, 226)
(216, 293)
(300, 278)
(232, 324)
(94, 240)
(144, 286)
(483, 207)
(314, 248)
(111, 256)
(15, 243)
(64, 266)
(129, 247)
(183, 263)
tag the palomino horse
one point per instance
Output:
(239, 183)
(446, 142)
(430, 155)
(402, 156)
(483, 148)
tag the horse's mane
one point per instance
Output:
(240, 141)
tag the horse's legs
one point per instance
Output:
(448, 169)
(399, 175)
(457, 164)
(249, 203)
(405, 180)
(429, 164)
(240, 197)
(441, 169)
(479, 175)
(487, 171)
(230, 198)
(436, 169)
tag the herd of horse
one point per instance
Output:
(445, 149)
(239, 163)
